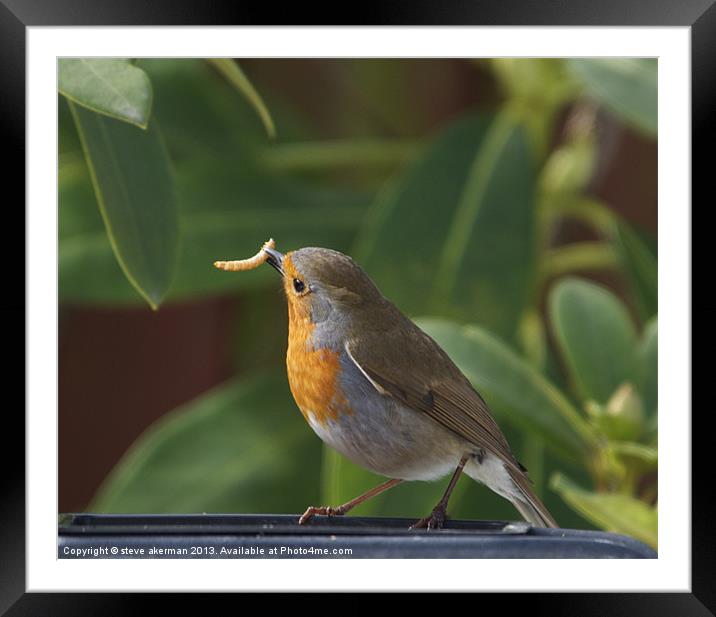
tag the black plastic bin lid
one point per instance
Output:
(232, 536)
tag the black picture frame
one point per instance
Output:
(17, 15)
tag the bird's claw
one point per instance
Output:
(311, 511)
(436, 520)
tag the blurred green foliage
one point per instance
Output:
(130, 168)
(225, 459)
(456, 227)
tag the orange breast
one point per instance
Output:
(313, 374)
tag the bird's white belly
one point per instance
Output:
(392, 440)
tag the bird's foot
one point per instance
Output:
(311, 511)
(436, 520)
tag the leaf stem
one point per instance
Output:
(236, 76)
(473, 195)
(328, 155)
(577, 257)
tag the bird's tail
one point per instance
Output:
(528, 504)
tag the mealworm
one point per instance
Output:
(240, 265)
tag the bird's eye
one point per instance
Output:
(299, 286)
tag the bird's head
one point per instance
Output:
(321, 284)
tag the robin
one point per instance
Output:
(383, 393)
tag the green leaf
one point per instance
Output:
(596, 337)
(459, 220)
(232, 71)
(68, 142)
(226, 212)
(648, 352)
(627, 86)
(404, 233)
(198, 111)
(612, 512)
(109, 86)
(636, 455)
(514, 390)
(640, 264)
(134, 187)
(486, 268)
(232, 450)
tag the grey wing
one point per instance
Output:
(417, 372)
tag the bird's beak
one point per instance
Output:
(275, 259)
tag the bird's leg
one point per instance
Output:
(349, 505)
(439, 514)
